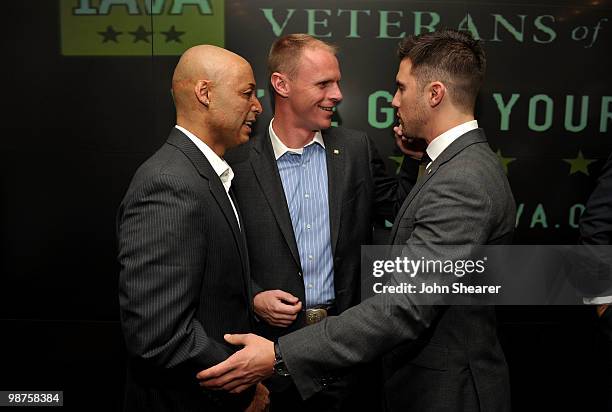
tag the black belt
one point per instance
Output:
(317, 313)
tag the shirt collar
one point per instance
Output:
(220, 166)
(440, 143)
(280, 149)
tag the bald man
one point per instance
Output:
(184, 278)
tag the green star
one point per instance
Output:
(579, 164)
(173, 35)
(399, 160)
(110, 34)
(141, 34)
(505, 161)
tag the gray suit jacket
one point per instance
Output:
(184, 280)
(437, 358)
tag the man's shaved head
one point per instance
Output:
(203, 62)
(215, 96)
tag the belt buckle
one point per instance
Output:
(315, 315)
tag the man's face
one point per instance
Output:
(409, 100)
(315, 89)
(235, 104)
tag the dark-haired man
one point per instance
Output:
(437, 358)
(596, 230)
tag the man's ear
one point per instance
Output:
(202, 89)
(436, 91)
(280, 83)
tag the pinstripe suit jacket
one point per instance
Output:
(183, 281)
(437, 358)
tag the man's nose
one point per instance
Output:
(257, 107)
(395, 102)
(336, 94)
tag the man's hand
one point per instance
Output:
(410, 146)
(601, 309)
(276, 307)
(251, 364)
(261, 400)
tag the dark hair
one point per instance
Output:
(452, 57)
(285, 53)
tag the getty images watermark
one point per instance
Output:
(414, 267)
(489, 275)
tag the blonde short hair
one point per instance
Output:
(286, 51)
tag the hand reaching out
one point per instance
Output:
(248, 366)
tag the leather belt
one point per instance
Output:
(317, 313)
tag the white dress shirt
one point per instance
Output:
(280, 149)
(440, 143)
(220, 166)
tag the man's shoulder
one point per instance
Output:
(168, 159)
(168, 166)
(341, 132)
(476, 160)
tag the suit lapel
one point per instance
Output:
(335, 167)
(266, 171)
(465, 140)
(245, 262)
(197, 158)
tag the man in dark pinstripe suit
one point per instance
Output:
(184, 278)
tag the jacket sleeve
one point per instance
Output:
(451, 211)
(390, 191)
(596, 221)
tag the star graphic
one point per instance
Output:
(173, 35)
(110, 34)
(579, 164)
(141, 34)
(399, 160)
(505, 161)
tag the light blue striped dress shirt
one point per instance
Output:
(303, 173)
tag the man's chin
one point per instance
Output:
(325, 124)
(244, 137)
(241, 139)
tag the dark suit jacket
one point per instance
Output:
(437, 358)
(596, 227)
(596, 221)
(183, 282)
(359, 190)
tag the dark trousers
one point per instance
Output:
(331, 399)
(605, 386)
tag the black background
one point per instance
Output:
(74, 129)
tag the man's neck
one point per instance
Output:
(445, 122)
(203, 133)
(292, 136)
